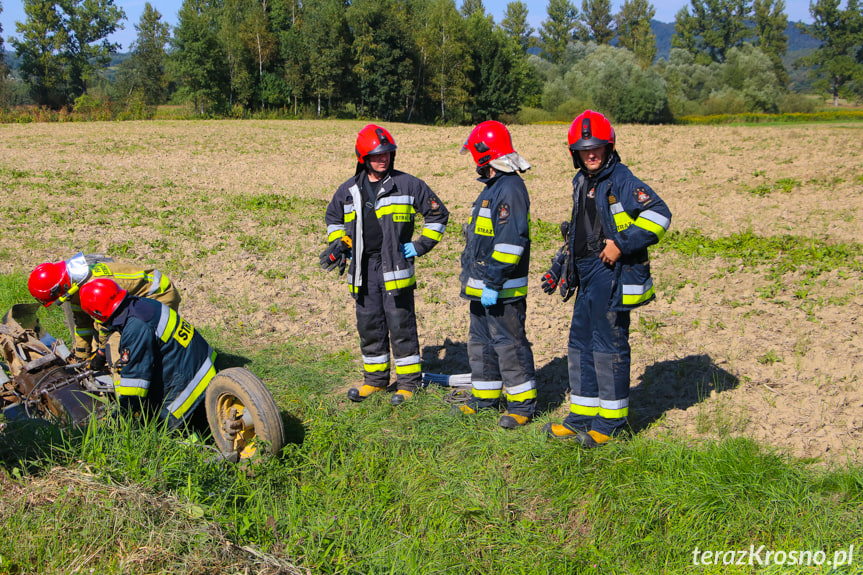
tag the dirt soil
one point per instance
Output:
(233, 212)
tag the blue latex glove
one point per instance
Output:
(409, 250)
(488, 297)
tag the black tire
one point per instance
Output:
(238, 401)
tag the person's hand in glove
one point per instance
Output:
(98, 360)
(336, 255)
(488, 297)
(409, 250)
(551, 278)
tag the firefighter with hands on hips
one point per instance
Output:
(615, 217)
(165, 364)
(494, 279)
(60, 282)
(370, 224)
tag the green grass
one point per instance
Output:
(366, 488)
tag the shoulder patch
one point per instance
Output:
(642, 196)
(484, 203)
(612, 199)
(503, 214)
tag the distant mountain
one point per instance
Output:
(799, 43)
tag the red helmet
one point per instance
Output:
(373, 140)
(590, 130)
(49, 281)
(488, 141)
(100, 298)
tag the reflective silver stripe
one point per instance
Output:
(409, 360)
(488, 385)
(163, 321)
(616, 208)
(190, 387)
(134, 382)
(516, 389)
(509, 249)
(76, 307)
(385, 358)
(508, 284)
(394, 200)
(656, 218)
(334, 228)
(348, 208)
(584, 401)
(636, 289)
(614, 403)
(441, 228)
(485, 213)
(157, 282)
(397, 275)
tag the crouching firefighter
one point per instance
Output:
(370, 223)
(60, 281)
(615, 217)
(165, 364)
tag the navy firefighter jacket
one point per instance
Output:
(635, 217)
(497, 250)
(163, 358)
(400, 197)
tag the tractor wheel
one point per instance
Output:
(242, 413)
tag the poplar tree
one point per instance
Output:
(559, 29)
(597, 19)
(445, 52)
(515, 24)
(198, 60)
(770, 24)
(146, 72)
(634, 32)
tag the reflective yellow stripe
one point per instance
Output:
(133, 276)
(349, 217)
(506, 258)
(335, 235)
(524, 396)
(484, 227)
(169, 329)
(652, 227)
(513, 292)
(199, 389)
(613, 413)
(582, 410)
(395, 209)
(399, 284)
(638, 298)
(436, 236)
(164, 284)
(487, 393)
(130, 391)
(413, 368)
(375, 367)
(622, 221)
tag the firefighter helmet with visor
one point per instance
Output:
(101, 297)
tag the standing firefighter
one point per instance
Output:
(615, 217)
(370, 221)
(165, 363)
(60, 281)
(494, 272)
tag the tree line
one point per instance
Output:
(431, 61)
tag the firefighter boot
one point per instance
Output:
(400, 397)
(592, 439)
(463, 409)
(513, 420)
(559, 430)
(360, 394)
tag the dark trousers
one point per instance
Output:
(599, 354)
(500, 356)
(385, 320)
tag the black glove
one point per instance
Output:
(551, 278)
(98, 360)
(336, 255)
(564, 230)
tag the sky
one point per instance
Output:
(13, 11)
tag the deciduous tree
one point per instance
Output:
(634, 32)
(598, 21)
(515, 24)
(770, 24)
(713, 27)
(63, 43)
(558, 29)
